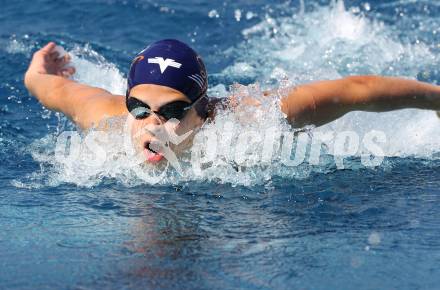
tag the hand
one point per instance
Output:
(48, 61)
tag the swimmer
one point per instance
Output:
(168, 80)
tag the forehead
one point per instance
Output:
(155, 94)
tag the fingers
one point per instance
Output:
(63, 65)
(58, 60)
(48, 47)
(68, 71)
(53, 59)
(65, 59)
(64, 62)
(45, 51)
(53, 56)
(59, 55)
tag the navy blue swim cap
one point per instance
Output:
(170, 63)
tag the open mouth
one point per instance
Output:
(151, 155)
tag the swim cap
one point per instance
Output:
(170, 63)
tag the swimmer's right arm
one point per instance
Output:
(47, 79)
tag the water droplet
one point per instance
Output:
(374, 239)
(250, 15)
(237, 14)
(213, 14)
(367, 6)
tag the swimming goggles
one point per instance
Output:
(173, 110)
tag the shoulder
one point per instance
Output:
(100, 107)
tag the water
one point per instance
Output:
(268, 226)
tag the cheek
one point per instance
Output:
(183, 126)
(190, 122)
(137, 129)
(133, 126)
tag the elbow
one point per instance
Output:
(364, 82)
(361, 90)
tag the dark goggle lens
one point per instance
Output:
(174, 110)
(141, 113)
(138, 109)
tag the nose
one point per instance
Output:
(146, 128)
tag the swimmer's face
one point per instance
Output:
(143, 131)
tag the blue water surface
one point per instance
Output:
(353, 228)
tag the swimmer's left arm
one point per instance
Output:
(322, 102)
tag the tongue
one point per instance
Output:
(152, 157)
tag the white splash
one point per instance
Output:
(93, 69)
(332, 42)
(329, 42)
(15, 46)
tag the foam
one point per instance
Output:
(93, 69)
(328, 42)
(18, 46)
(331, 42)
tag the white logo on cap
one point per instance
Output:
(164, 63)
